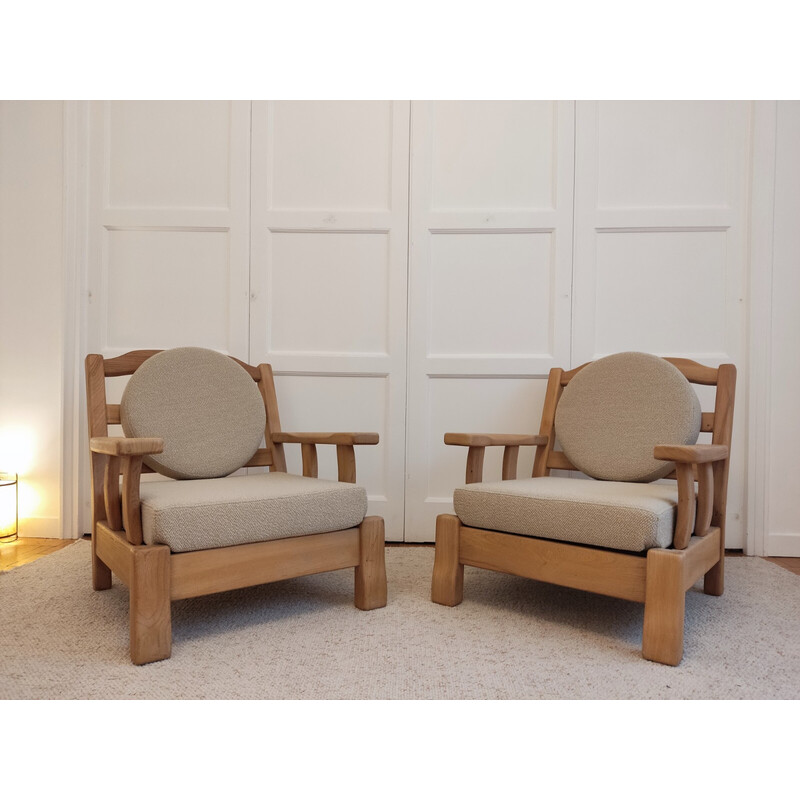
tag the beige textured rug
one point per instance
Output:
(510, 639)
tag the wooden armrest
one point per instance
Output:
(478, 442)
(345, 454)
(123, 446)
(494, 439)
(691, 453)
(284, 437)
(694, 511)
(115, 455)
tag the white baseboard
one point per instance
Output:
(40, 528)
(783, 544)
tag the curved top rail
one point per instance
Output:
(693, 371)
(128, 363)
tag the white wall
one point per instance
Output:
(31, 247)
(783, 477)
(31, 310)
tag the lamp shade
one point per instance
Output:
(8, 507)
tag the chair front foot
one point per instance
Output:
(664, 607)
(101, 573)
(714, 580)
(151, 620)
(447, 585)
(370, 574)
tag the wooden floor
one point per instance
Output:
(23, 551)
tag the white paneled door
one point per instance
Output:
(328, 279)
(168, 239)
(661, 227)
(415, 268)
(490, 283)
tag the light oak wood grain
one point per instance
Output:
(204, 572)
(155, 576)
(123, 446)
(346, 463)
(477, 444)
(658, 579)
(705, 499)
(150, 614)
(131, 509)
(493, 439)
(111, 492)
(547, 427)
(664, 607)
(447, 584)
(691, 453)
(684, 522)
(594, 570)
(326, 438)
(98, 426)
(510, 460)
(475, 464)
(309, 456)
(370, 572)
(714, 583)
(266, 386)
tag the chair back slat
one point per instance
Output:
(127, 363)
(557, 460)
(261, 458)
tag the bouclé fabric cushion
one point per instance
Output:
(617, 409)
(622, 516)
(200, 515)
(205, 406)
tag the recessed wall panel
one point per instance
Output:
(491, 293)
(167, 289)
(661, 292)
(328, 292)
(331, 155)
(479, 405)
(493, 155)
(337, 403)
(663, 154)
(166, 154)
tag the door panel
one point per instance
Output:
(661, 211)
(279, 232)
(328, 285)
(168, 237)
(490, 283)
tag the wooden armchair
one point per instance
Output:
(623, 535)
(198, 415)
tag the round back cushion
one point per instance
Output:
(205, 406)
(617, 409)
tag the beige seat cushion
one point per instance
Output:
(617, 409)
(206, 408)
(620, 516)
(204, 514)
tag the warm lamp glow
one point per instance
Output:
(28, 500)
(8, 507)
(16, 449)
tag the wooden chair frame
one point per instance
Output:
(658, 578)
(154, 575)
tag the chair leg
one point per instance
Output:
(447, 586)
(370, 590)
(664, 606)
(151, 621)
(714, 580)
(101, 573)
